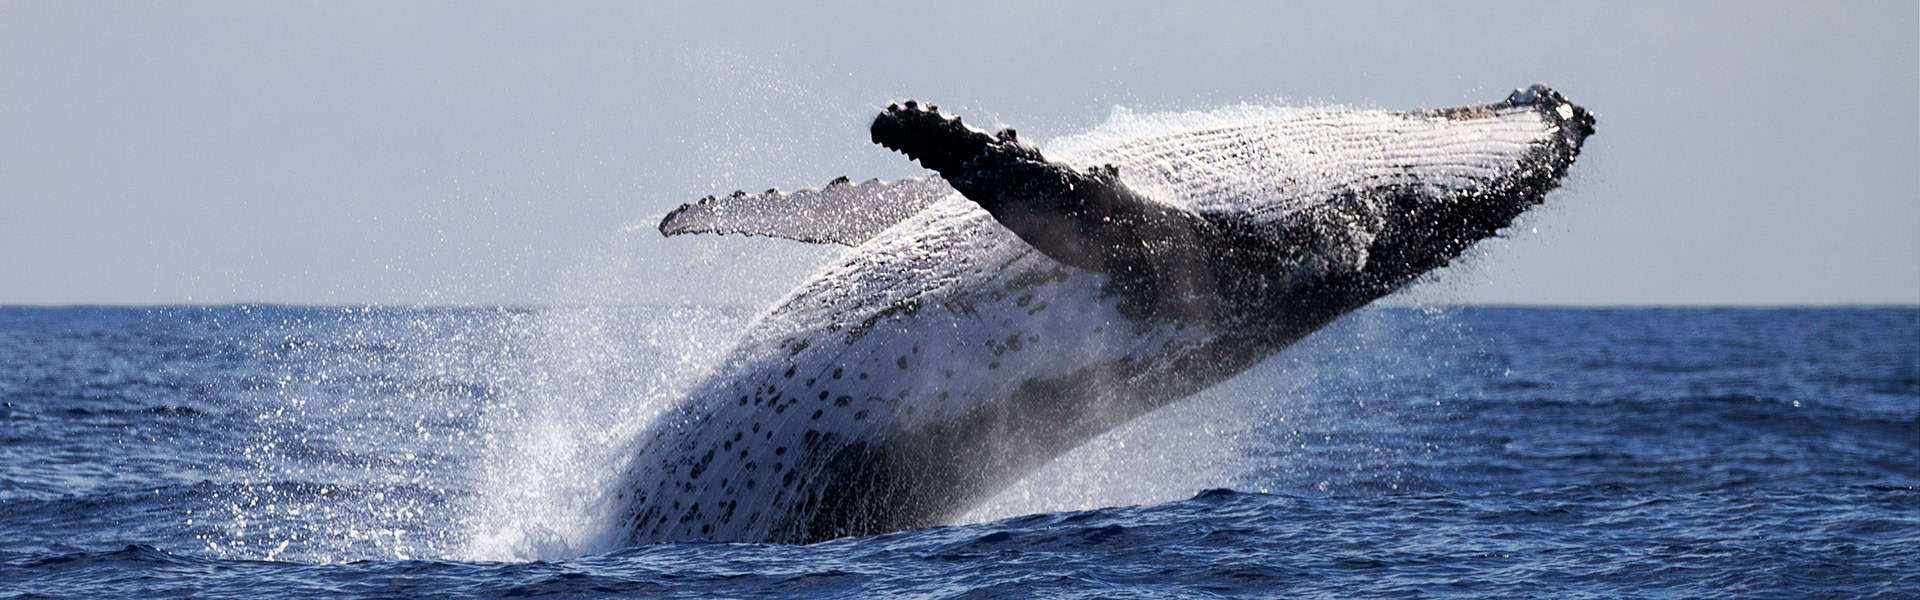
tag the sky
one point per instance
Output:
(1747, 153)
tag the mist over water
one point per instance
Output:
(471, 434)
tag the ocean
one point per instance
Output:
(288, 451)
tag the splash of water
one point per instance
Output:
(561, 435)
(459, 433)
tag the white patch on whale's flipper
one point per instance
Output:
(842, 212)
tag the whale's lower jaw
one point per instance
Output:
(947, 357)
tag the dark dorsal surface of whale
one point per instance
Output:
(1021, 302)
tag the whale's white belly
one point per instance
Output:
(945, 315)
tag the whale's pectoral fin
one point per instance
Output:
(1084, 218)
(841, 212)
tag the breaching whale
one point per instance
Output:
(1019, 302)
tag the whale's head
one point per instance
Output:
(1382, 198)
(1240, 217)
(1448, 178)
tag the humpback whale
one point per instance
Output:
(1018, 301)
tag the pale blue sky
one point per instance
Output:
(1748, 153)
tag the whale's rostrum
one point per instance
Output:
(1023, 300)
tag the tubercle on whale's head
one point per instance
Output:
(1570, 125)
(1578, 121)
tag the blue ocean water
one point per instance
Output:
(269, 451)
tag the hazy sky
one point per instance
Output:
(1748, 153)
